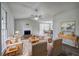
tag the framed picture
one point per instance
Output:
(68, 26)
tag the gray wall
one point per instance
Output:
(20, 25)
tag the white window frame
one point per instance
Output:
(50, 27)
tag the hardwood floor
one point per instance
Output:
(69, 51)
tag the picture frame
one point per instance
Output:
(68, 26)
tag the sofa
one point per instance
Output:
(39, 49)
(57, 47)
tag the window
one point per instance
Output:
(45, 27)
(3, 27)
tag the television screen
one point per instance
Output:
(27, 32)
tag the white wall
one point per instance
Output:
(10, 18)
(20, 25)
(70, 15)
(10, 24)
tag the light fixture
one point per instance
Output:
(17, 32)
(36, 15)
(36, 18)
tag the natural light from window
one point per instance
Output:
(45, 26)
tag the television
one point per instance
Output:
(27, 32)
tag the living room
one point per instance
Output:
(40, 28)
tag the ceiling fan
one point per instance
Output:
(36, 16)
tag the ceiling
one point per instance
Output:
(48, 9)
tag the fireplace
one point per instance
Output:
(27, 32)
